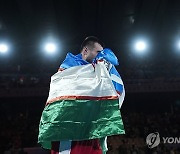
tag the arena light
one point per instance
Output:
(3, 48)
(50, 48)
(140, 46)
(178, 44)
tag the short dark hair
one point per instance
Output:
(89, 41)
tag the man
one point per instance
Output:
(78, 118)
(90, 49)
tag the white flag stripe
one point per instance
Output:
(105, 143)
(116, 79)
(121, 98)
(82, 81)
(119, 80)
(65, 152)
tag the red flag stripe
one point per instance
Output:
(81, 98)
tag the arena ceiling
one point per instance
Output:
(25, 23)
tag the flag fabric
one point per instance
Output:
(73, 60)
(118, 83)
(110, 60)
(83, 104)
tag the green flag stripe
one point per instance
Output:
(79, 120)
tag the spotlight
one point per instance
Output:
(178, 45)
(50, 48)
(140, 46)
(3, 48)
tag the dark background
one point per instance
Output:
(152, 80)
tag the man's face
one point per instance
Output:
(93, 53)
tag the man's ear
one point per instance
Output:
(85, 50)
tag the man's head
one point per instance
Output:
(90, 48)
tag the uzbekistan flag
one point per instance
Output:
(82, 105)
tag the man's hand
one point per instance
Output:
(107, 55)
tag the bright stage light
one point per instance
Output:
(140, 46)
(178, 45)
(3, 48)
(50, 48)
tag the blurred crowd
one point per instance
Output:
(8, 81)
(136, 72)
(151, 70)
(20, 129)
(139, 125)
(20, 80)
